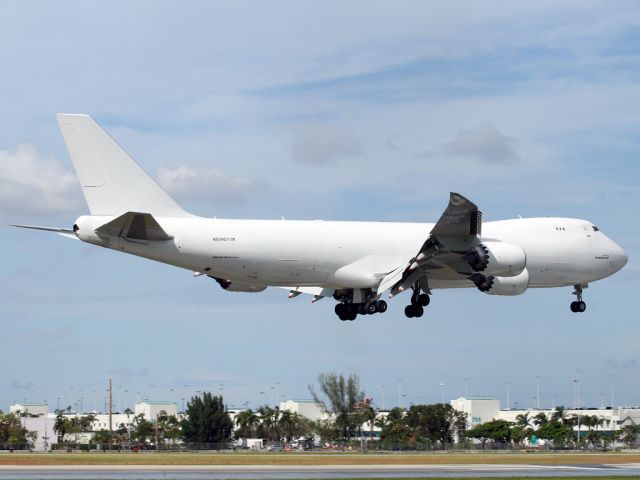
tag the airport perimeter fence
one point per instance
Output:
(10, 447)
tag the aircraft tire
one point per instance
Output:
(370, 308)
(418, 311)
(381, 306)
(574, 307)
(408, 311)
(423, 299)
(581, 306)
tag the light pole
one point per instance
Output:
(613, 378)
(400, 394)
(577, 394)
(442, 386)
(508, 384)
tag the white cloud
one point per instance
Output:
(31, 183)
(320, 144)
(209, 184)
(484, 143)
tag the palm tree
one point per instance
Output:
(269, 418)
(540, 419)
(560, 415)
(522, 420)
(292, 424)
(369, 414)
(247, 421)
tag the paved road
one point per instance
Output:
(200, 472)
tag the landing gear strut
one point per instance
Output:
(578, 306)
(418, 302)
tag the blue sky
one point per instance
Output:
(343, 111)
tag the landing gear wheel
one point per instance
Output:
(381, 306)
(352, 313)
(578, 306)
(370, 308)
(408, 311)
(418, 310)
(423, 299)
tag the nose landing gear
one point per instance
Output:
(578, 306)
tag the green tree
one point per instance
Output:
(207, 420)
(368, 414)
(61, 426)
(556, 432)
(436, 422)
(540, 419)
(269, 422)
(142, 430)
(247, 422)
(327, 430)
(293, 425)
(394, 427)
(343, 396)
(13, 433)
(629, 434)
(495, 430)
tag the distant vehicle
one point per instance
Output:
(352, 262)
(275, 448)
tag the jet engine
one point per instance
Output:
(231, 286)
(496, 258)
(495, 285)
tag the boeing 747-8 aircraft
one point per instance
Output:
(355, 263)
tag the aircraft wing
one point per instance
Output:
(439, 256)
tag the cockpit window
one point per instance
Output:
(595, 229)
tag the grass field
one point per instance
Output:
(152, 458)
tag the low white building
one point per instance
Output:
(307, 408)
(32, 409)
(478, 409)
(151, 410)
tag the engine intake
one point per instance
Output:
(496, 258)
(496, 285)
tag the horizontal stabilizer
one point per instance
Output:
(134, 226)
(65, 232)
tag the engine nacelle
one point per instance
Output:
(231, 286)
(508, 286)
(497, 259)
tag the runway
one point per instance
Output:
(200, 472)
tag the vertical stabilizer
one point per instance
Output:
(112, 182)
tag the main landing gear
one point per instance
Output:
(418, 302)
(349, 311)
(578, 306)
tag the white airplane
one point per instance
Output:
(353, 262)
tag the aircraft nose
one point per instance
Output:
(618, 257)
